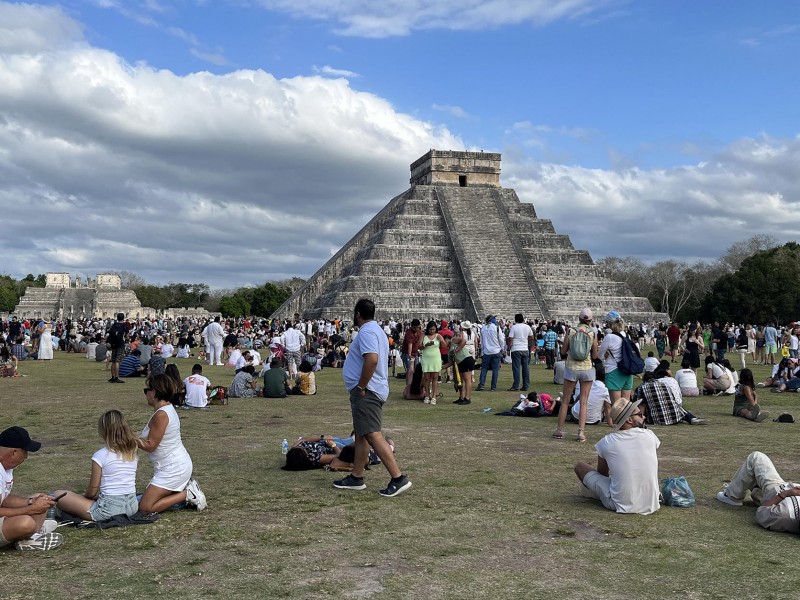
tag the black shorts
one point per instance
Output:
(466, 365)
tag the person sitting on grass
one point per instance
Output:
(197, 388)
(791, 382)
(172, 480)
(276, 380)
(305, 381)
(776, 498)
(157, 364)
(244, 384)
(131, 366)
(626, 477)
(112, 484)
(687, 379)
(780, 374)
(22, 520)
(413, 389)
(8, 363)
(660, 405)
(745, 404)
(716, 381)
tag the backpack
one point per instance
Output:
(116, 337)
(631, 362)
(580, 345)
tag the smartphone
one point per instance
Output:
(57, 498)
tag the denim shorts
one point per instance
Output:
(106, 507)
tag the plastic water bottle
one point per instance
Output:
(486, 410)
(52, 512)
(285, 446)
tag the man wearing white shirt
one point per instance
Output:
(214, 334)
(293, 342)
(197, 388)
(520, 337)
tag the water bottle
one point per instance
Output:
(486, 410)
(52, 512)
(285, 446)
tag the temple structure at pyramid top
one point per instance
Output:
(457, 245)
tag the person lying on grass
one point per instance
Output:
(776, 498)
(328, 452)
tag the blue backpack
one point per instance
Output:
(630, 362)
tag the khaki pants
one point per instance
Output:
(759, 476)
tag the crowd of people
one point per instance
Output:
(592, 360)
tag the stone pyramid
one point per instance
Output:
(457, 245)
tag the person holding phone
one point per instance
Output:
(22, 519)
(112, 483)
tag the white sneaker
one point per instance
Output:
(727, 500)
(195, 496)
(426, 400)
(41, 541)
(433, 401)
(220, 365)
(49, 526)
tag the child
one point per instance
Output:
(112, 484)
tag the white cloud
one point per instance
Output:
(693, 211)
(215, 58)
(761, 36)
(331, 72)
(29, 28)
(225, 179)
(368, 18)
(456, 111)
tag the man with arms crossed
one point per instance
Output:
(626, 479)
(366, 377)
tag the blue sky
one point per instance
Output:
(618, 119)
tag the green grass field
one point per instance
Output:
(494, 512)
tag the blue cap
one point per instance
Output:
(613, 316)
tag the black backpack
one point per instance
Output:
(116, 337)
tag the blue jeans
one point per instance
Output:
(519, 361)
(720, 352)
(490, 361)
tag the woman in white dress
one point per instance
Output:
(172, 480)
(46, 342)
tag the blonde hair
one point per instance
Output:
(117, 434)
(617, 326)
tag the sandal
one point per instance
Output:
(581, 437)
(558, 434)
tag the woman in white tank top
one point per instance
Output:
(172, 467)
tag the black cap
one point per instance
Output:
(17, 437)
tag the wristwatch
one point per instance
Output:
(30, 501)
